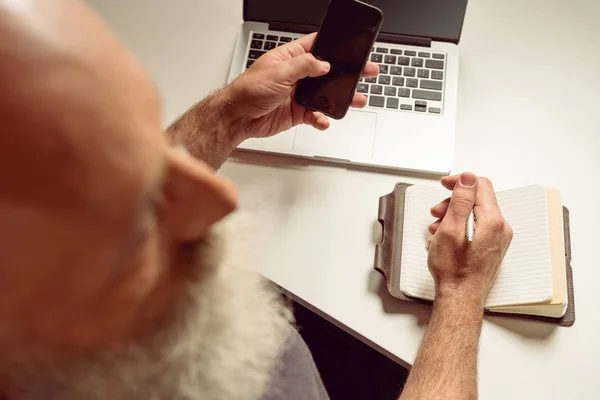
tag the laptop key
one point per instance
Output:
(389, 91)
(426, 95)
(403, 92)
(384, 79)
(396, 52)
(371, 80)
(270, 45)
(395, 70)
(249, 63)
(377, 101)
(409, 72)
(406, 107)
(423, 54)
(389, 59)
(376, 58)
(437, 75)
(435, 85)
(258, 36)
(420, 103)
(398, 81)
(255, 54)
(256, 44)
(438, 56)
(280, 44)
(382, 50)
(420, 108)
(435, 110)
(423, 73)
(417, 62)
(434, 64)
(392, 102)
(273, 38)
(410, 53)
(412, 82)
(285, 39)
(403, 60)
(362, 88)
(376, 89)
(383, 69)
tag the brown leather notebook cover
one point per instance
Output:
(388, 255)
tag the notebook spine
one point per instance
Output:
(381, 249)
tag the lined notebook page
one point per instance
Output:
(525, 275)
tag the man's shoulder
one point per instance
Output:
(295, 375)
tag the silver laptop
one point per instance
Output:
(410, 119)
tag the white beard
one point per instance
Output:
(223, 345)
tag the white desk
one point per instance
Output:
(529, 96)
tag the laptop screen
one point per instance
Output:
(435, 19)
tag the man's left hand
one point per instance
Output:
(262, 97)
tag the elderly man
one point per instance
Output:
(116, 281)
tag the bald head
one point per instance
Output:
(94, 207)
(83, 109)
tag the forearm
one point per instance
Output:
(446, 366)
(208, 130)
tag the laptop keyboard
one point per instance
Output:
(410, 79)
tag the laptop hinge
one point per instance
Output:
(383, 37)
(402, 39)
(293, 28)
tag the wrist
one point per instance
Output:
(225, 107)
(457, 308)
(460, 295)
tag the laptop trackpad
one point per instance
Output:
(350, 138)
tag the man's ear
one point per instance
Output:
(194, 196)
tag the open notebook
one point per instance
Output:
(535, 276)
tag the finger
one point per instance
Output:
(462, 200)
(439, 210)
(316, 120)
(450, 181)
(291, 71)
(433, 228)
(306, 42)
(304, 45)
(486, 195)
(358, 101)
(298, 46)
(371, 70)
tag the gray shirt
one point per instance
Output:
(295, 376)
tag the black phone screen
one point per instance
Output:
(344, 40)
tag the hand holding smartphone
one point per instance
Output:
(345, 39)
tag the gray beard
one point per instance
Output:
(222, 345)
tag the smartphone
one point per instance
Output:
(345, 39)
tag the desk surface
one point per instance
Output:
(529, 105)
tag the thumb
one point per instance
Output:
(463, 198)
(291, 71)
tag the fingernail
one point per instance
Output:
(468, 179)
(325, 65)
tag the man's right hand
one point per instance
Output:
(458, 267)
(262, 97)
